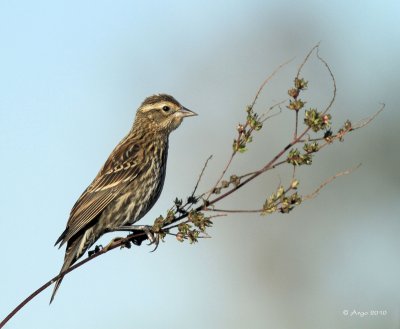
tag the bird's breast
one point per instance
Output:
(139, 196)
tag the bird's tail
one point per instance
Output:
(71, 256)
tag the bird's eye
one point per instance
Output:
(166, 108)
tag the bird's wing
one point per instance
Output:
(115, 175)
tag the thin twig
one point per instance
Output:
(234, 211)
(306, 59)
(264, 117)
(201, 175)
(277, 164)
(333, 80)
(329, 180)
(367, 120)
(222, 175)
(267, 80)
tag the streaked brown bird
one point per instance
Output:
(128, 184)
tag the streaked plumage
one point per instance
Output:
(130, 181)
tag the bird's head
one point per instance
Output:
(162, 113)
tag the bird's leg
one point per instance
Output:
(95, 250)
(115, 241)
(132, 228)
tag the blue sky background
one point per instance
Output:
(72, 74)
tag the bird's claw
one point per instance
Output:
(95, 250)
(113, 242)
(156, 242)
(154, 238)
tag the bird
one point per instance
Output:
(129, 183)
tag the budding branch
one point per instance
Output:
(189, 218)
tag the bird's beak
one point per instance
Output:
(184, 112)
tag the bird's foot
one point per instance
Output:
(95, 250)
(153, 238)
(115, 241)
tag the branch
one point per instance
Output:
(329, 180)
(306, 60)
(369, 119)
(268, 79)
(190, 220)
(200, 176)
(62, 274)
